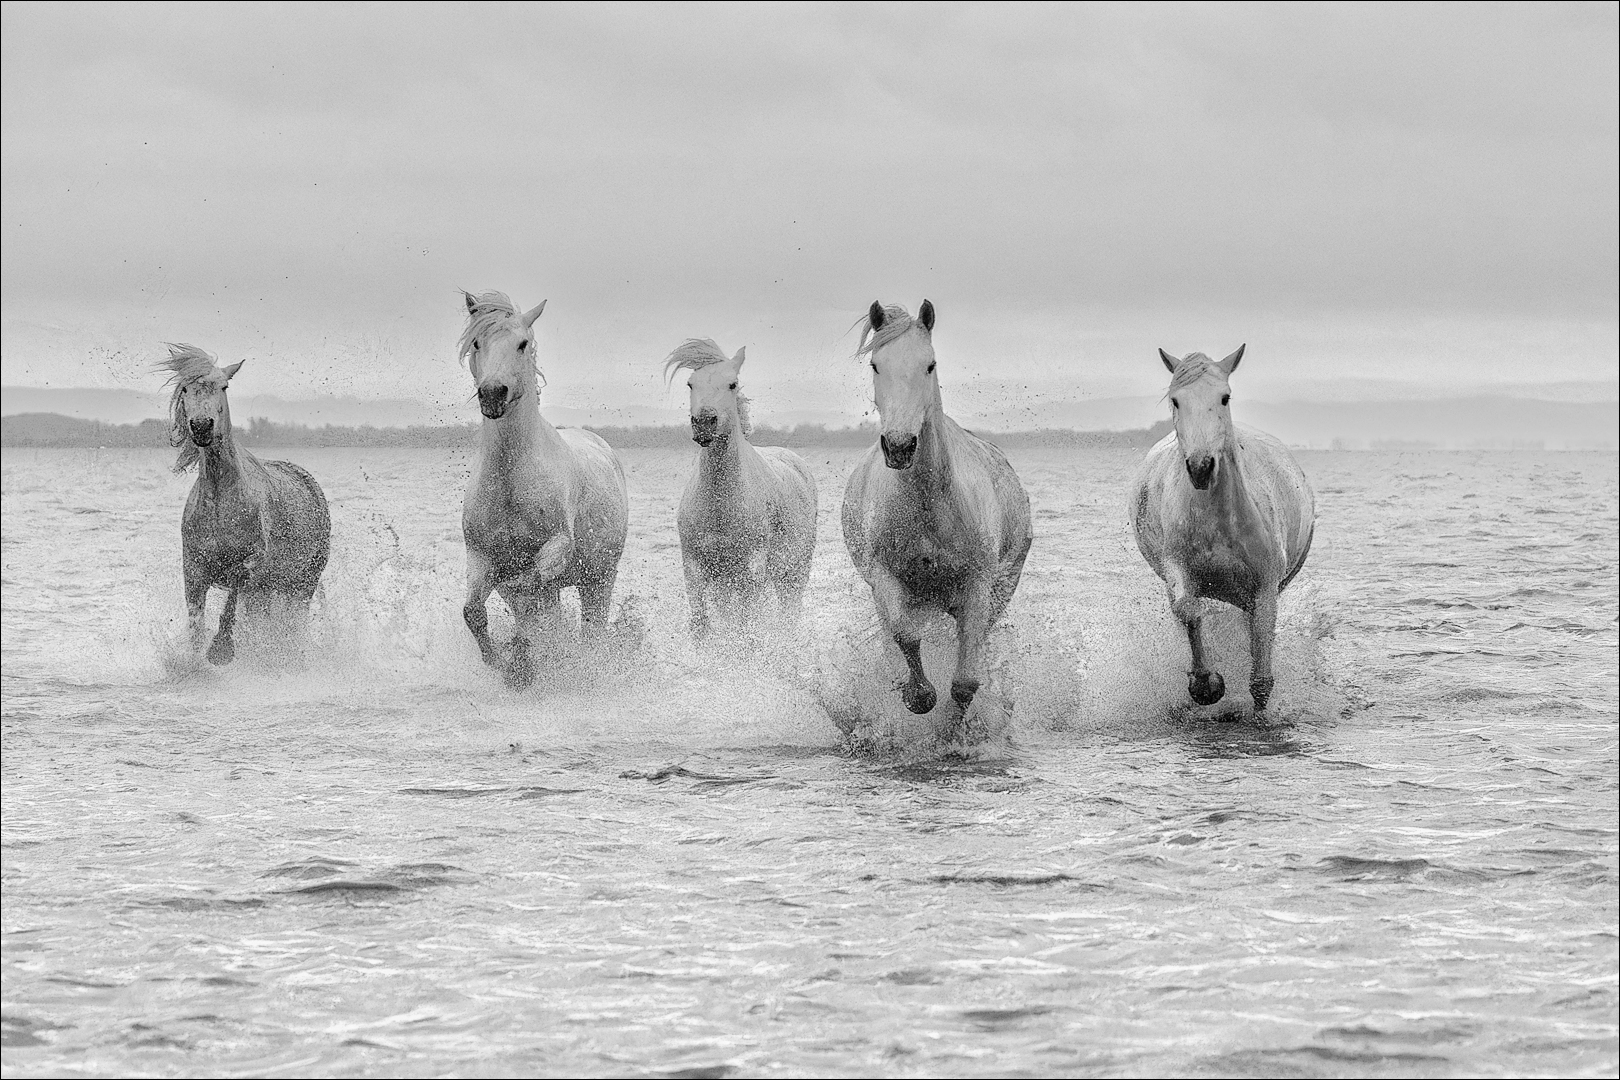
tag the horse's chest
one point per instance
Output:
(510, 533)
(223, 535)
(1220, 568)
(927, 564)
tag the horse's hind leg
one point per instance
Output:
(1262, 638)
(904, 621)
(1204, 686)
(223, 650)
(594, 599)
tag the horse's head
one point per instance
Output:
(718, 407)
(498, 345)
(1200, 400)
(198, 411)
(904, 385)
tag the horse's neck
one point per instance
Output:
(1229, 495)
(523, 438)
(931, 467)
(721, 464)
(222, 463)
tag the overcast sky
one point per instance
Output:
(1423, 193)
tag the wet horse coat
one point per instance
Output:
(256, 528)
(545, 510)
(935, 518)
(1222, 512)
(747, 519)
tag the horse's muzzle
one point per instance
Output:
(898, 450)
(705, 428)
(202, 432)
(1201, 472)
(492, 401)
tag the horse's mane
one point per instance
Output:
(695, 353)
(896, 322)
(490, 311)
(1192, 369)
(186, 364)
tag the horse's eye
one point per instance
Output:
(1174, 404)
(874, 367)
(475, 344)
(1225, 398)
(522, 345)
(931, 364)
(733, 386)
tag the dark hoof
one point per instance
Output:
(222, 651)
(1261, 692)
(962, 692)
(1206, 687)
(918, 696)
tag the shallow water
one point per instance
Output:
(661, 862)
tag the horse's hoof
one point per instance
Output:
(1260, 690)
(918, 696)
(1206, 687)
(221, 652)
(962, 692)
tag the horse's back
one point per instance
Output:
(795, 501)
(1282, 493)
(603, 513)
(792, 473)
(304, 529)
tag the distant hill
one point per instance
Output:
(1556, 416)
(52, 430)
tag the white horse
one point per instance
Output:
(1221, 511)
(545, 509)
(934, 517)
(748, 516)
(257, 528)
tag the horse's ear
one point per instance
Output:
(231, 371)
(925, 315)
(1169, 361)
(742, 354)
(1230, 364)
(530, 316)
(874, 315)
(472, 305)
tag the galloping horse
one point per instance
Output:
(934, 517)
(545, 509)
(1221, 511)
(748, 516)
(255, 528)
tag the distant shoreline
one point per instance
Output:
(66, 432)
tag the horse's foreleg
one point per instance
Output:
(196, 609)
(223, 650)
(697, 586)
(1204, 686)
(904, 622)
(532, 607)
(480, 583)
(1262, 637)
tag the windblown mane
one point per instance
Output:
(1192, 369)
(491, 311)
(186, 364)
(695, 353)
(896, 322)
